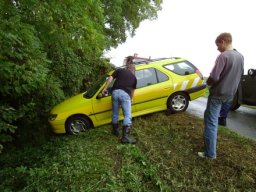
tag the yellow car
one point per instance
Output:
(162, 84)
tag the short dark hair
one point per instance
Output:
(227, 37)
(129, 60)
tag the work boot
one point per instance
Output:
(116, 130)
(222, 121)
(127, 138)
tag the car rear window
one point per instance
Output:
(181, 68)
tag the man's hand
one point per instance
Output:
(209, 81)
(104, 92)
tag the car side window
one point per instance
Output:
(146, 77)
(181, 68)
(161, 76)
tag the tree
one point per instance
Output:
(51, 50)
(122, 16)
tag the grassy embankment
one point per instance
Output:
(164, 159)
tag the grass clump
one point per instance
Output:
(164, 159)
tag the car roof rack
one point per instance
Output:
(140, 60)
(146, 61)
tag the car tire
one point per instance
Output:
(77, 124)
(235, 104)
(177, 102)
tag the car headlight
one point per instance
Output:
(52, 117)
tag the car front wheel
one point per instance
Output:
(77, 124)
(178, 102)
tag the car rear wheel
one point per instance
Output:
(77, 124)
(178, 102)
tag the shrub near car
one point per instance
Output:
(162, 84)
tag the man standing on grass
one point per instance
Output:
(122, 94)
(225, 108)
(223, 83)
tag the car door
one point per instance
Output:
(248, 84)
(102, 106)
(153, 89)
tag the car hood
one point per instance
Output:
(73, 103)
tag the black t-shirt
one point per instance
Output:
(125, 80)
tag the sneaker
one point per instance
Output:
(202, 155)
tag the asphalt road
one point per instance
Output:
(242, 121)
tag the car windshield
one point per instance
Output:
(91, 91)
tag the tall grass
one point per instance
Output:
(164, 159)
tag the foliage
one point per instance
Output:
(122, 16)
(7, 117)
(51, 50)
(23, 74)
(164, 159)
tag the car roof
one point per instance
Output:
(153, 61)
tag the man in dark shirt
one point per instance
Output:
(223, 82)
(122, 94)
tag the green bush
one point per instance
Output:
(51, 50)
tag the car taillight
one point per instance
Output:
(200, 74)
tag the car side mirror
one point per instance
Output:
(252, 72)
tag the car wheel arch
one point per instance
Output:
(78, 117)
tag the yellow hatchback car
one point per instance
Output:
(162, 84)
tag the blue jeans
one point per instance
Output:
(121, 98)
(211, 115)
